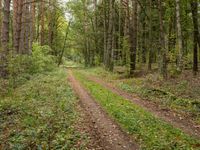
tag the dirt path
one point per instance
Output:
(109, 133)
(167, 115)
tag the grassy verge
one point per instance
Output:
(150, 132)
(40, 114)
(181, 95)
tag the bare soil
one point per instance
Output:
(170, 116)
(102, 128)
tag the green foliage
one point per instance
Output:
(41, 59)
(151, 132)
(22, 67)
(40, 115)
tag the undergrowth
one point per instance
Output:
(40, 114)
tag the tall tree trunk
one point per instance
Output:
(27, 16)
(119, 31)
(32, 27)
(5, 39)
(150, 36)
(179, 33)
(105, 31)
(143, 41)
(163, 66)
(96, 36)
(109, 59)
(133, 37)
(23, 29)
(126, 30)
(42, 23)
(0, 19)
(15, 15)
(17, 23)
(194, 8)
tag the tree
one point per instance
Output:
(179, 35)
(0, 18)
(133, 37)
(109, 54)
(163, 66)
(42, 22)
(194, 8)
(150, 36)
(5, 39)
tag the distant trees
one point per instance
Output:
(135, 34)
(140, 34)
(25, 23)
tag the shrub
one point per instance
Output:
(22, 67)
(41, 59)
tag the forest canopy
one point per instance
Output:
(137, 35)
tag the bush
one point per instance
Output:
(41, 60)
(22, 67)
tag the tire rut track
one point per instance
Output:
(110, 134)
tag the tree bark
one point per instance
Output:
(0, 19)
(194, 8)
(5, 39)
(150, 36)
(42, 23)
(109, 59)
(163, 66)
(180, 37)
(105, 31)
(133, 37)
(32, 27)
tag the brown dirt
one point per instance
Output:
(178, 121)
(85, 126)
(102, 127)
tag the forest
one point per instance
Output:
(100, 74)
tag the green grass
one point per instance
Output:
(41, 114)
(151, 132)
(181, 95)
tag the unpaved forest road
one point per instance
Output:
(112, 137)
(185, 124)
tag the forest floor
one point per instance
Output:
(148, 123)
(44, 113)
(84, 109)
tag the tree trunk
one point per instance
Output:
(126, 30)
(42, 23)
(27, 16)
(144, 41)
(163, 66)
(22, 29)
(5, 39)
(0, 19)
(194, 7)
(133, 37)
(180, 37)
(32, 27)
(105, 31)
(150, 36)
(109, 59)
